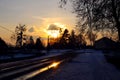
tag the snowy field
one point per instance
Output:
(24, 55)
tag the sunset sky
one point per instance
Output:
(37, 15)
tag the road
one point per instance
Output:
(90, 65)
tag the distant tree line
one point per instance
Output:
(65, 41)
(68, 41)
(24, 41)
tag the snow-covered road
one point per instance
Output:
(89, 66)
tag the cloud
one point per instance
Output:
(53, 27)
(32, 29)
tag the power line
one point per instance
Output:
(6, 29)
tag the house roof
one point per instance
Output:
(105, 43)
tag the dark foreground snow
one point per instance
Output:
(25, 55)
(89, 66)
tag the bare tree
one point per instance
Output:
(100, 14)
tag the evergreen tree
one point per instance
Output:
(38, 44)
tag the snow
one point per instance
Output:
(53, 53)
(4, 57)
(19, 54)
(91, 65)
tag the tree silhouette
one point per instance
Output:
(64, 40)
(92, 37)
(38, 44)
(30, 43)
(19, 35)
(3, 46)
(72, 40)
(81, 41)
(100, 14)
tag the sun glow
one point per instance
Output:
(53, 33)
(55, 64)
(55, 29)
(60, 25)
(34, 73)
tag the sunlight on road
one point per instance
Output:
(32, 74)
(55, 64)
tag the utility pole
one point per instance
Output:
(48, 45)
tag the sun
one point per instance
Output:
(53, 33)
